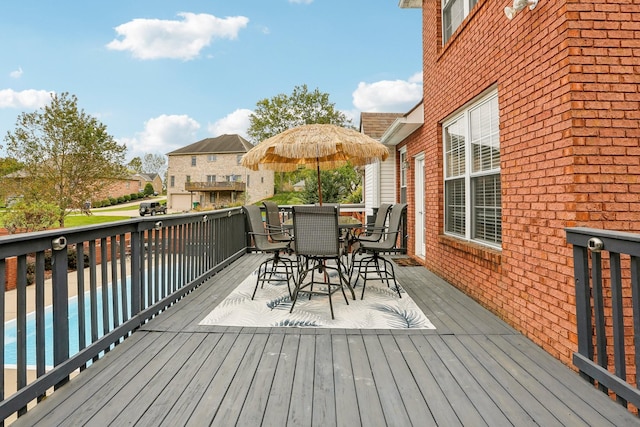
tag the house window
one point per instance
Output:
(211, 178)
(172, 181)
(193, 160)
(188, 178)
(473, 205)
(453, 13)
(211, 158)
(239, 159)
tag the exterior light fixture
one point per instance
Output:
(518, 5)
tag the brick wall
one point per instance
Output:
(567, 76)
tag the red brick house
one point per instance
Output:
(530, 125)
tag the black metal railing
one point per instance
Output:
(607, 283)
(127, 272)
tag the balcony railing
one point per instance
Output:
(215, 186)
(133, 270)
(607, 283)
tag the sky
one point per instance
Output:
(163, 74)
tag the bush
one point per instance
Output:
(127, 198)
(133, 196)
(113, 201)
(148, 189)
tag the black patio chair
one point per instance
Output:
(273, 268)
(274, 224)
(317, 241)
(372, 265)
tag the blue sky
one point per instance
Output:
(163, 74)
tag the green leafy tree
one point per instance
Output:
(282, 112)
(148, 189)
(338, 186)
(67, 155)
(135, 165)
(24, 217)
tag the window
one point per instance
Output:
(211, 158)
(403, 175)
(211, 178)
(453, 13)
(188, 178)
(193, 160)
(239, 159)
(172, 181)
(473, 205)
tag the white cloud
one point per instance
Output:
(162, 135)
(234, 123)
(30, 98)
(178, 39)
(16, 74)
(388, 95)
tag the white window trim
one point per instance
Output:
(469, 174)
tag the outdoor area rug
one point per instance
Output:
(380, 309)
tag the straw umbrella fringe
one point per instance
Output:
(326, 146)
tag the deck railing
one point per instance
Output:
(607, 281)
(133, 270)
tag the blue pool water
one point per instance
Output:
(10, 347)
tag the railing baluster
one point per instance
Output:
(60, 308)
(635, 298)
(598, 311)
(618, 320)
(40, 324)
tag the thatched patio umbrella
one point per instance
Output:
(319, 146)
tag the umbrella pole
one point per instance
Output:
(319, 183)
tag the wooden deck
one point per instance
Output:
(473, 370)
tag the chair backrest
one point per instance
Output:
(315, 230)
(274, 224)
(256, 227)
(381, 219)
(395, 221)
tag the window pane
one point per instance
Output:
(454, 149)
(455, 206)
(452, 16)
(487, 208)
(485, 136)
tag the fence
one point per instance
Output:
(607, 281)
(127, 272)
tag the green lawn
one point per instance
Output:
(78, 220)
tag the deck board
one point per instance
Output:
(473, 369)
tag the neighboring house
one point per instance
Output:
(117, 187)
(208, 173)
(530, 125)
(378, 184)
(149, 178)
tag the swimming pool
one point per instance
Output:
(10, 335)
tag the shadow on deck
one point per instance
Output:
(472, 370)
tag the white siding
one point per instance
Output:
(371, 187)
(388, 179)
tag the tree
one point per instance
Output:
(67, 155)
(283, 112)
(154, 163)
(24, 217)
(148, 189)
(135, 165)
(338, 186)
